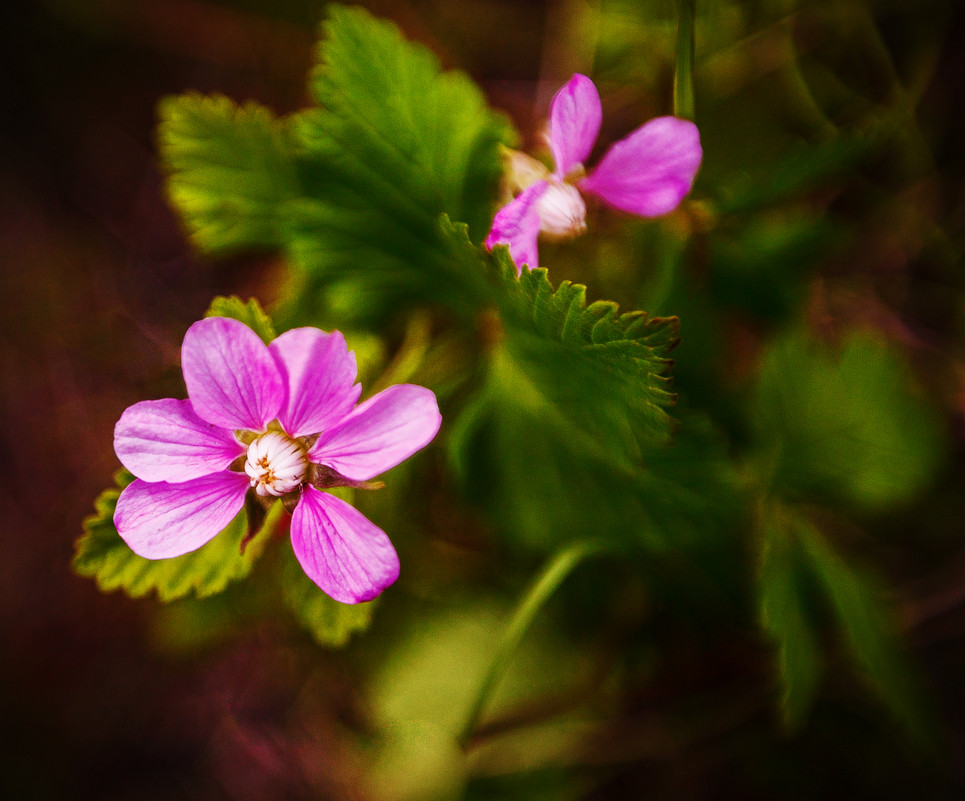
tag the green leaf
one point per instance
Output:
(844, 423)
(782, 585)
(870, 633)
(230, 170)
(570, 348)
(250, 313)
(429, 135)
(396, 144)
(798, 567)
(330, 622)
(743, 258)
(101, 554)
(571, 405)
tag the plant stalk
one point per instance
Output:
(683, 79)
(560, 565)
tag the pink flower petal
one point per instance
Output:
(517, 224)
(160, 520)
(164, 440)
(320, 374)
(339, 549)
(385, 430)
(650, 171)
(232, 379)
(575, 116)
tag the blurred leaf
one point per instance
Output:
(230, 170)
(871, 634)
(549, 784)
(844, 423)
(782, 585)
(396, 144)
(416, 761)
(188, 626)
(801, 168)
(762, 266)
(101, 554)
(433, 674)
(330, 622)
(250, 313)
(798, 565)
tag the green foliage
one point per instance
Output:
(250, 313)
(425, 137)
(101, 554)
(396, 144)
(623, 356)
(434, 674)
(802, 581)
(351, 191)
(844, 423)
(230, 170)
(569, 431)
(783, 595)
(870, 633)
(745, 257)
(330, 622)
(416, 761)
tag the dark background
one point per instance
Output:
(98, 285)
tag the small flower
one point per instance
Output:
(646, 173)
(275, 421)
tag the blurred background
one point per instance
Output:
(831, 193)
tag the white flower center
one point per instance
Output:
(276, 464)
(562, 212)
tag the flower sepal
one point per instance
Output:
(323, 477)
(256, 510)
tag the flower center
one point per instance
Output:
(276, 464)
(562, 212)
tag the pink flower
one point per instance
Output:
(646, 173)
(277, 421)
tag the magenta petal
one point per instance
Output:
(160, 520)
(650, 171)
(575, 116)
(342, 551)
(164, 440)
(380, 433)
(517, 224)
(232, 379)
(320, 373)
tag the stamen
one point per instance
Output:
(276, 464)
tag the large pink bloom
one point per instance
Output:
(294, 403)
(647, 173)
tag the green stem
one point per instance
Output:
(557, 569)
(683, 79)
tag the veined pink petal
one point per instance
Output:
(575, 116)
(161, 520)
(385, 430)
(342, 551)
(232, 379)
(650, 171)
(517, 224)
(164, 440)
(320, 374)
